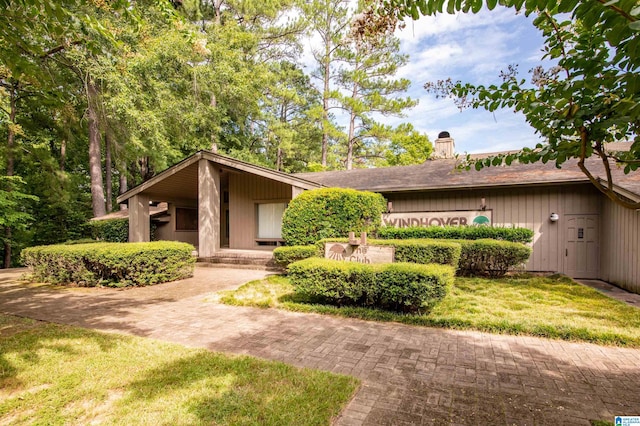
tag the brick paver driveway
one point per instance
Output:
(411, 375)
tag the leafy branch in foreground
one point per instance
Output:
(589, 99)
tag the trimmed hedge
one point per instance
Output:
(331, 213)
(403, 287)
(491, 257)
(414, 251)
(476, 257)
(112, 230)
(112, 264)
(289, 254)
(425, 251)
(516, 235)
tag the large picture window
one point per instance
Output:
(186, 219)
(270, 220)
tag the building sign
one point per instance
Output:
(359, 253)
(448, 218)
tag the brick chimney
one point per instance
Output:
(444, 146)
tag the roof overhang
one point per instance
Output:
(482, 185)
(222, 160)
(621, 191)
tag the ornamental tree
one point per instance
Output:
(590, 98)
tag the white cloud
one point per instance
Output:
(448, 25)
(470, 48)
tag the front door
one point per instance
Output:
(582, 258)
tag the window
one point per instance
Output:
(270, 220)
(186, 219)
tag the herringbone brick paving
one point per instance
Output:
(410, 375)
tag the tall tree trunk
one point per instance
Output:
(146, 171)
(279, 160)
(95, 156)
(213, 102)
(143, 168)
(63, 154)
(123, 185)
(217, 5)
(108, 171)
(8, 232)
(325, 106)
(351, 140)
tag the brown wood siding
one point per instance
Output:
(245, 191)
(620, 243)
(167, 231)
(522, 207)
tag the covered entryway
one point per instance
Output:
(582, 248)
(215, 201)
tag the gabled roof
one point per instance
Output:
(443, 175)
(222, 160)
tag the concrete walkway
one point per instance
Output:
(411, 375)
(613, 291)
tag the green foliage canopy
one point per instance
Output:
(14, 212)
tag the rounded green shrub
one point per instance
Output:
(405, 287)
(491, 257)
(331, 213)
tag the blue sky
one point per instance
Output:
(471, 48)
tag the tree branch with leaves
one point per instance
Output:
(589, 99)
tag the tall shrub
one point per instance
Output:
(331, 213)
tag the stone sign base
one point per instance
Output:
(359, 253)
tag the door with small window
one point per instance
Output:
(582, 251)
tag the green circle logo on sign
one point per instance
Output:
(481, 220)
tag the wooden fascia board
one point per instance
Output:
(223, 161)
(473, 186)
(621, 191)
(260, 171)
(159, 177)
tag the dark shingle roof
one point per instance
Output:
(442, 174)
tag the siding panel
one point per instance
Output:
(245, 191)
(524, 207)
(620, 238)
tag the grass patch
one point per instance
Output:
(54, 374)
(555, 307)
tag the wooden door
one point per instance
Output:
(582, 256)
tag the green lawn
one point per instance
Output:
(554, 307)
(52, 374)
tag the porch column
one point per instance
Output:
(295, 191)
(208, 208)
(139, 222)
